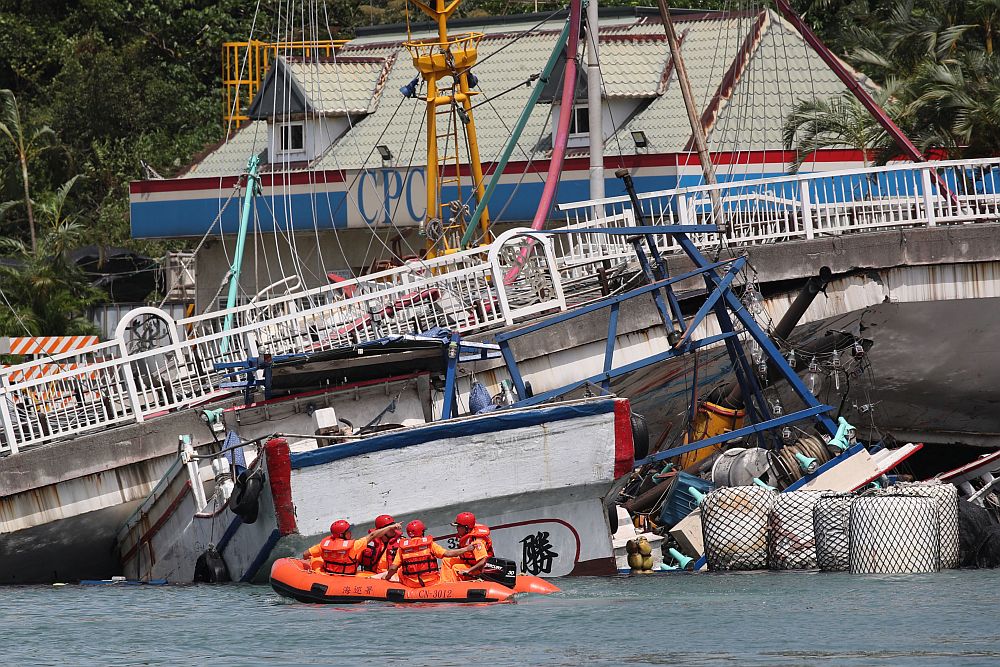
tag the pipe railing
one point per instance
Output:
(114, 383)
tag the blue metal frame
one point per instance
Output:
(720, 300)
(621, 370)
(250, 368)
(503, 339)
(603, 303)
(761, 427)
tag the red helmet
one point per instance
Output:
(383, 520)
(339, 528)
(416, 528)
(466, 519)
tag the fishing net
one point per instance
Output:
(979, 536)
(947, 498)
(735, 527)
(894, 534)
(792, 545)
(832, 530)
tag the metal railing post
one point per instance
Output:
(5, 416)
(925, 184)
(807, 209)
(497, 272)
(125, 368)
(682, 210)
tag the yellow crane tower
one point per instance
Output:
(437, 60)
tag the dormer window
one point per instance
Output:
(579, 127)
(580, 123)
(292, 138)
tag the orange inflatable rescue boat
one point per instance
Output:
(294, 578)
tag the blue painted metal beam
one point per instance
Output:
(628, 368)
(663, 272)
(603, 303)
(515, 373)
(712, 299)
(770, 349)
(609, 347)
(652, 279)
(737, 433)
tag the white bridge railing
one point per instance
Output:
(155, 363)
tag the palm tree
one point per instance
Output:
(841, 122)
(961, 99)
(987, 12)
(27, 145)
(47, 293)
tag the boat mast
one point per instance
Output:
(595, 111)
(697, 131)
(436, 59)
(251, 190)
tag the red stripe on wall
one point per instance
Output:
(577, 164)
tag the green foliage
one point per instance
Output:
(842, 122)
(935, 62)
(48, 293)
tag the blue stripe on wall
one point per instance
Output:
(494, 422)
(510, 203)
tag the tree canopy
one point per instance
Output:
(99, 87)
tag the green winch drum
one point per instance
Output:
(792, 543)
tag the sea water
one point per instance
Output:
(686, 620)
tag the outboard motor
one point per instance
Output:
(501, 571)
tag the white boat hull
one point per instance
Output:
(536, 476)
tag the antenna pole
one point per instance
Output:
(595, 110)
(697, 131)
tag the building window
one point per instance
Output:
(292, 138)
(581, 120)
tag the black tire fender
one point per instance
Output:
(640, 436)
(246, 495)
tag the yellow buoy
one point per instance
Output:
(644, 547)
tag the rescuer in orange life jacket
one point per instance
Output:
(417, 558)
(380, 552)
(340, 553)
(470, 564)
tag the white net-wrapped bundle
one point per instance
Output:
(947, 498)
(792, 544)
(735, 527)
(894, 535)
(832, 529)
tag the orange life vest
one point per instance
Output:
(478, 532)
(337, 556)
(417, 559)
(372, 554)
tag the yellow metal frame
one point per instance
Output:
(240, 85)
(436, 59)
